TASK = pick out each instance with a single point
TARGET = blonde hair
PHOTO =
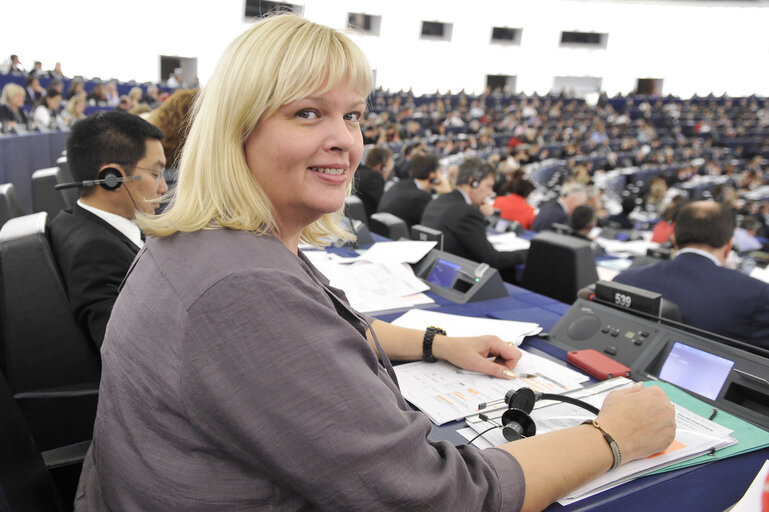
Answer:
(277, 61)
(9, 91)
(73, 102)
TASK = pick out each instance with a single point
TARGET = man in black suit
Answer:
(408, 198)
(369, 179)
(709, 295)
(558, 210)
(457, 215)
(95, 242)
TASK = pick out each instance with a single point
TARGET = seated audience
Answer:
(709, 295)
(582, 221)
(458, 216)
(558, 210)
(224, 330)
(371, 176)
(512, 203)
(407, 198)
(95, 242)
(12, 106)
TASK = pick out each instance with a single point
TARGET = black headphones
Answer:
(516, 422)
(110, 178)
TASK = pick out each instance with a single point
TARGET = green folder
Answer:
(749, 437)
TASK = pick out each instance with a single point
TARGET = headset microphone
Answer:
(109, 178)
(516, 422)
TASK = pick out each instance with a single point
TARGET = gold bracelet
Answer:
(610, 440)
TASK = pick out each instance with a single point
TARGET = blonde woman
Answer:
(12, 106)
(75, 109)
(235, 378)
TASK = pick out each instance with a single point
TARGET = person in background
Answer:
(74, 111)
(558, 210)
(663, 230)
(124, 104)
(223, 322)
(113, 97)
(56, 73)
(76, 88)
(458, 215)
(622, 220)
(35, 91)
(370, 178)
(46, 112)
(408, 198)
(95, 242)
(173, 117)
(136, 93)
(745, 235)
(708, 295)
(12, 66)
(512, 204)
(582, 221)
(12, 106)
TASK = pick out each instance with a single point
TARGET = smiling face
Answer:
(305, 154)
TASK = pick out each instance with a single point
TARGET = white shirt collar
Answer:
(702, 253)
(467, 198)
(125, 226)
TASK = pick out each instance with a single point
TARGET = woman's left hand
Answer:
(472, 353)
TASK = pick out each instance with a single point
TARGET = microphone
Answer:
(111, 182)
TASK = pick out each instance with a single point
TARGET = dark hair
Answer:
(378, 156)
(628, 204)
(473, 169)
(749, 223)
(704, 222)
(421, 165)
(581, 217)
(107, 137)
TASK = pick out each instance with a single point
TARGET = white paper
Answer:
(373, 286)
(445, 393)
(404, 251)
(457, 325)
(508, 241)
(626, 249)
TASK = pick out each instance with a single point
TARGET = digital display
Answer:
(444, 273)
(695, 370)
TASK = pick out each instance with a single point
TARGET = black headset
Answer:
(516, 422)
(110, 178)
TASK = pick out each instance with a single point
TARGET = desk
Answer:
(21, 155)
(710, 487)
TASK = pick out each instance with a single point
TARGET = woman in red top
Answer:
(512, 203)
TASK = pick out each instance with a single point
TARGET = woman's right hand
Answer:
(641, 420)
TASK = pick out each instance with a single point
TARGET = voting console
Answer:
(727, 374)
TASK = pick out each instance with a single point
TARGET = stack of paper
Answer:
(381, 278)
